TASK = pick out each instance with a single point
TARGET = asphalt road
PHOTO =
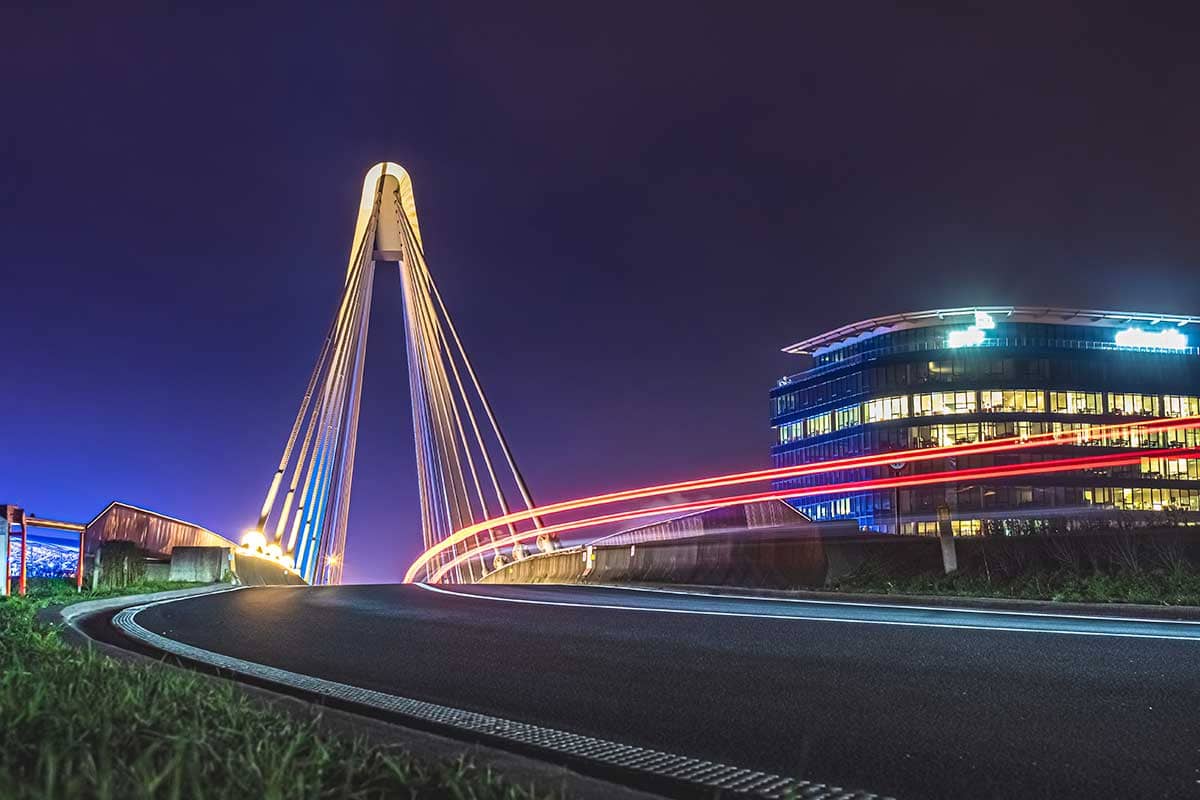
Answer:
(916, 703)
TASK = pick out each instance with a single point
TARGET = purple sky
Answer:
(629, 208)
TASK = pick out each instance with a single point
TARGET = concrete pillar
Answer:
(97, 567)
(946, 535)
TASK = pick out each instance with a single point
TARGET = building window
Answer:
(1140, 405)
(783, 404)
(884, 408)
(1144, 498)
(1189, 437)
(792, 432)
(1171, 469)
(847, 417)
(1076, 403)
(1016, 429)
(1175, 405)
(943, 435)
(1012, 400)
(819, 424)
(924, 405)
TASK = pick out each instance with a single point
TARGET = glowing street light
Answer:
(254, 540)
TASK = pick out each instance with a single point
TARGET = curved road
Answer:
(897, 700)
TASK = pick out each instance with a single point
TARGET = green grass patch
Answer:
(1179, 586)
(77, 724)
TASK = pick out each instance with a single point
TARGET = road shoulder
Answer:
(1123, 610)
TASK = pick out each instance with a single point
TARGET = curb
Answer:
(76, 610)
(519, 769)
(642, 768)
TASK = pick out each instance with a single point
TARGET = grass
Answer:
(77, 724)
(1178, 586)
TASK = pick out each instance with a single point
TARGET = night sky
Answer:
(630, 207)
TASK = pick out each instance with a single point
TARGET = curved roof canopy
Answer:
(867, 328)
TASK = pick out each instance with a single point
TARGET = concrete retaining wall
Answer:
(808, 559)
(765, 558)
(211, 564)
(201, 564)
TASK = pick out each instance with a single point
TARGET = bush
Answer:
(1178, 586)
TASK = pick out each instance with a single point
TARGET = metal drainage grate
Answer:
(693, 771)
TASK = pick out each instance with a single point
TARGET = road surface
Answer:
(915, 703)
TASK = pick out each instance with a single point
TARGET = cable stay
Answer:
(466, 470)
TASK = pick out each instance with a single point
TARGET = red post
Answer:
(7, 555)
(79, 567)
(24, 552)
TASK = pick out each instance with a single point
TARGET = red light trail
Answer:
(1044, 467)
(720, 481)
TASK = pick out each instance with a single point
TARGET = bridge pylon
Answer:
(466, 471)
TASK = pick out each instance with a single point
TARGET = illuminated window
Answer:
(1076, 403)
(961, 527)
(1080, 433)
(1012, 400)
(966, 527)
(1142, 405)
(1175, 405)
(1017, 429)
(1183, 438)
(885, 408)
(1172, 469)
(1144, 498)
(1130, 437)
(931, 403)
(793, 431)
(943, 435)
(847, 417)
(818, 424)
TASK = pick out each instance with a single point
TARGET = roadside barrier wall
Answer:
(818, 558)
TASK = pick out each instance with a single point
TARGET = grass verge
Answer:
(75, 723)
(1168, 587)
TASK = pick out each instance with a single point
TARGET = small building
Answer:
(155, 534)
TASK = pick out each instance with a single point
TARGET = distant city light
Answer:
(1166, 339)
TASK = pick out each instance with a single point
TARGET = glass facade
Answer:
(921, 387)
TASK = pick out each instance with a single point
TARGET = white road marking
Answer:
(806, 618)
(892, 606)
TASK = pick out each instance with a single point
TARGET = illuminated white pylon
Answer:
(454, 427)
